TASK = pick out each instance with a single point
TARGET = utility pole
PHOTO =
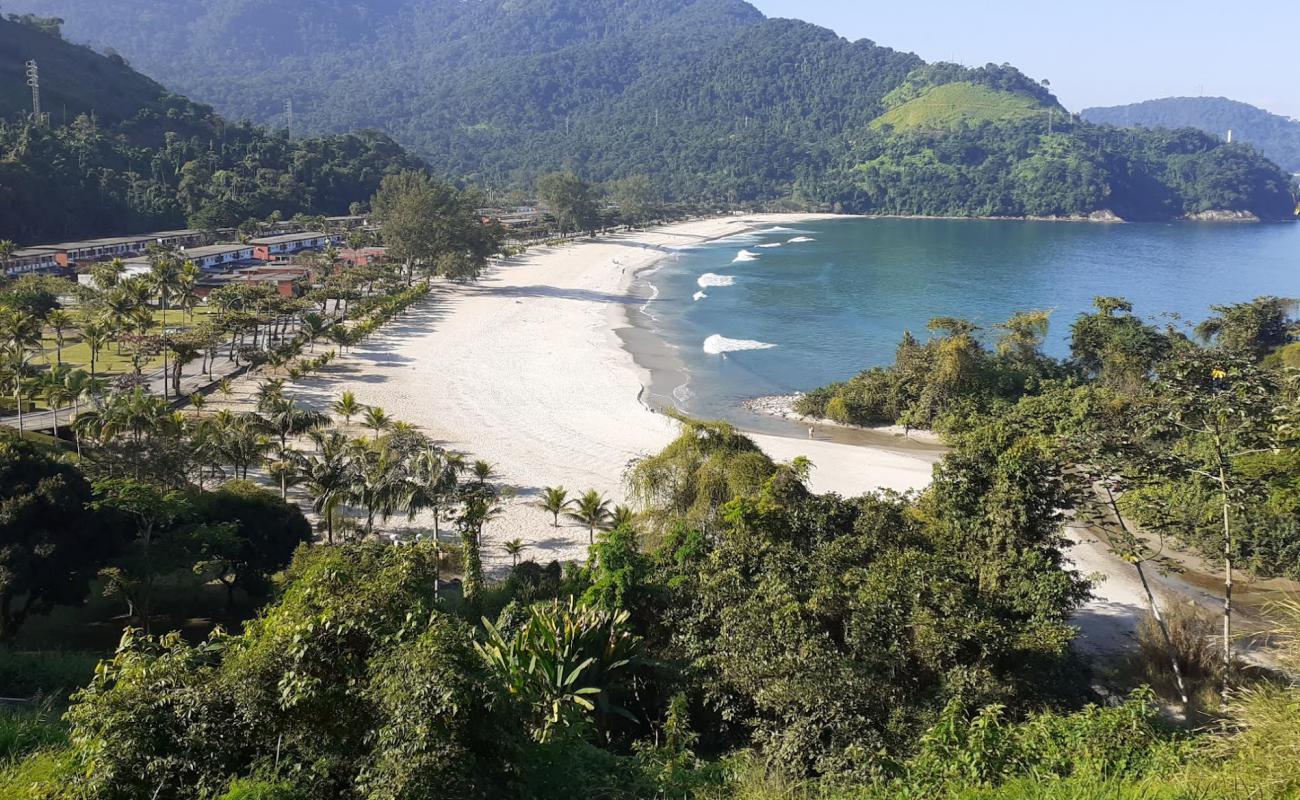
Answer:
(288, 116)
(1229, 135)
(34, 81)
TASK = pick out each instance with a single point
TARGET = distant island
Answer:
(708, 103)
(1275, 136)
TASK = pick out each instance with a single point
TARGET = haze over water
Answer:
(746, 318)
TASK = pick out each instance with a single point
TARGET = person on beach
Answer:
(811, 432)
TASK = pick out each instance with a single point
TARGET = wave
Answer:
(798, 239)
(773, 244)
(682, 394)
(710, 279)
(744, 255)
(719, 345)
(698, 296)
(779, 229)
(645, 307)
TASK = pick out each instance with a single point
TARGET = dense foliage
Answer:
(164, 163)
(714, 103)
(1275, 136)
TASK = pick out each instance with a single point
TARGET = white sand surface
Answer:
(524, 370)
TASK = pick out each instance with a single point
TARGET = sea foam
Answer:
(798, 239)
(745, 255)
(719, 345)
(710, 279)
(773, 244)
(698, 296)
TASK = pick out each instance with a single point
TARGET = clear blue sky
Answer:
(1097, 52)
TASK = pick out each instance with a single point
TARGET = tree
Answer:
(60, 322)
(1254, 329)
(257, 536)
(1229, 405)
(570, 201)
(514, 548)
(347, 407)
(377, 420)
(555, 501)
(592, 510)
(159, 545)
(636, 198)
(329, 478)
(1115, 347)
(52, 542)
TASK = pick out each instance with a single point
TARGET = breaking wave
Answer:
(698, 296)
(718, 345)
(710, 279)
(773, 244)
(798, 239)
(745, 255)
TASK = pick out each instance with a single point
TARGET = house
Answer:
(271, 247)
(69, 253)
(132, 268)
(219, 256)
(30, 260)
(363, 256)
(286, 279)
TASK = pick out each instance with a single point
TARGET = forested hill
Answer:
(131, 157)
(74, 80)
(1276, 136)
(713, 102)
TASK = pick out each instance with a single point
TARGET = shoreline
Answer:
(527, 370)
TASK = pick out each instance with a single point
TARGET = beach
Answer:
(525, 369)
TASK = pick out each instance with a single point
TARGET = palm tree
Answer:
(78, 384)
(20, 335)
(164, 276)
(377, 420)
(555, 500)
(431, 483)
(592, 510)
(329, 477)
(623, 517)
(315, 326)
(478, 510)
(7, 249)
(347, 407)
(514, 547)
(95, 334)
(59, 321)
(380, 488)
(198, 400)
(226, 388)
(54, 390)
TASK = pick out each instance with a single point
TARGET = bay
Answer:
(788, 309)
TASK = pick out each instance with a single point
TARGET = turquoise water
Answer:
(838, 298)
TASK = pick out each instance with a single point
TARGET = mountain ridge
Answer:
(1276, 136)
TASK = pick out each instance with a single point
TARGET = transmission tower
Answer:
(34, 81)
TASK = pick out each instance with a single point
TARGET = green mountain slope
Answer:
(712, 101)
(955, 104)
(73, 80)
(1277, 137)
(151, 160)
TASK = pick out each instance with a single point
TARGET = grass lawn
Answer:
(110, 362)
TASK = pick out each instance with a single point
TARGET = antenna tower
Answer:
(34, 81)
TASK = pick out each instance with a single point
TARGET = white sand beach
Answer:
(524, 369)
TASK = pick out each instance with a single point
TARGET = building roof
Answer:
(33, 252)
(215, 250)
(110, 241)
(286, 238)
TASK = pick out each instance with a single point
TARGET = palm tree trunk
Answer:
(18, 398)
(1227, 586)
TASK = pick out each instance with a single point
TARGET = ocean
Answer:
(786, 309)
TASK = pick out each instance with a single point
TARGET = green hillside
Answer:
(712, 102)
(1276, 136)
(74, 80)
(149, 160)
(955, 104)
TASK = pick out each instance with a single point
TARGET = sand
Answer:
(525, 370)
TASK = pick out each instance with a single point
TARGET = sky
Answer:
(1095, 53)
